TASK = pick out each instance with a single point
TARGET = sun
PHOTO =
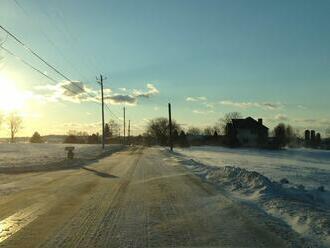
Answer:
(11, 97)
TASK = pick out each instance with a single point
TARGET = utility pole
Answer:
(124, 124)
(170, 125)
(129, 131)
(100, 81)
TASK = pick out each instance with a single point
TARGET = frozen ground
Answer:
(310, 168)
(254, 176)
(22, 157)
(139, 197)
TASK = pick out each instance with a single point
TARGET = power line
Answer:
(50, 66)
(34, 53)
(51, 42)
(27, 63)
(36, 69)
(47, 76)
(43, 60)
(113, 114)
(65, 32)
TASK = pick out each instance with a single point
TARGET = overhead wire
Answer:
(43, 60)
(48, 77)
(48, 64)
(27, 63)
(50, 41)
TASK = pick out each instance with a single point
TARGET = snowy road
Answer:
(134, 198)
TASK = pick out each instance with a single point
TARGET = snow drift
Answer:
(306, 211)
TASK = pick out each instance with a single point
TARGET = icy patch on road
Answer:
(19, 220)
(306, 211)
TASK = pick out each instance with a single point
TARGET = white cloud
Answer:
(281, 117)
(107, 91)
(78, 92)
(132, 99)
(208, 105)
(196, 99)
(302, 107)
(202, 112)
(68, 91)
(151, 91)
(245, 105)
(121, 99)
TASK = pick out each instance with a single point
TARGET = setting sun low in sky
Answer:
(265, 59)
(11, 97)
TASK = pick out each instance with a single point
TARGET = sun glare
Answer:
(11, 97)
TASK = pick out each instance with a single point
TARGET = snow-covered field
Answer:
(310, 168)
(255, 176)
(18, 157)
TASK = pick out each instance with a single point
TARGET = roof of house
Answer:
(248, 123)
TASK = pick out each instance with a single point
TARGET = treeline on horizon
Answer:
(157, 133)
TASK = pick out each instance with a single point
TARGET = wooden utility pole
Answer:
(124, 125)
(129, 131)
(100, 81)
(170, 125)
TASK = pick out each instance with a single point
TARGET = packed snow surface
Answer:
(310, 168)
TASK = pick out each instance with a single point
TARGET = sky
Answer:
(265, 59)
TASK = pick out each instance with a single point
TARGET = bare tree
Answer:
(284, 135)
(209, 131)
(114, 128)
(194, 131)
(158, 129)
(15, 124)
(220, 126)
(327, 132)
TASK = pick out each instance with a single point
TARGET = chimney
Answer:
(260, 121)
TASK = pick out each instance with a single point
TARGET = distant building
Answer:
(312, 139)
(307, 135)
(248, 132)
(318, 139)
(312, 136)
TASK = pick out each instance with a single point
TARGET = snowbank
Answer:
(300, 166)
(35, 157)
(306, 211)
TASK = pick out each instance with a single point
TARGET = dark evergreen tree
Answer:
(107, 132)
(71, 139)
(183, 141)
(175, 137)
(36, 138)
(93, 139)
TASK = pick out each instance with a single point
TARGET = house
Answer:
(247, 132)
